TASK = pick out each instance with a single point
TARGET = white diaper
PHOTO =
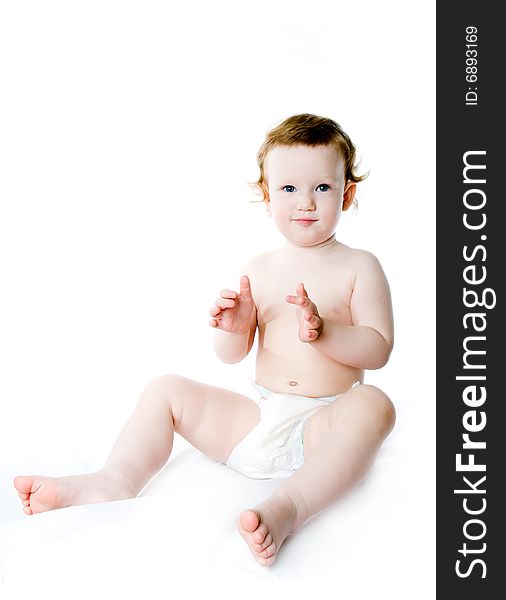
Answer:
(274, 448)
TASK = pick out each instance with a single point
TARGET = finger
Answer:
(225, 303)
(301, 291)
(310, 318)
(213, 323)
(308, 335)
(214, 311)
(313, 329)
(226, 293)
(298, 300)
(245, 287)
(313, 321)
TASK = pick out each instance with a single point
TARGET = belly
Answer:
(284, 364)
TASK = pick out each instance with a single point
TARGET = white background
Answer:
(128, 137)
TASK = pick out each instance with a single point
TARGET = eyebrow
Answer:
(320, 179)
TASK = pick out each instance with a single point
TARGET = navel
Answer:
(293, 383)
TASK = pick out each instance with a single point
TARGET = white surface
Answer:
(128, 133)
(182, 532)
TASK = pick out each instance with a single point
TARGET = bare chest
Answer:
(329, 286)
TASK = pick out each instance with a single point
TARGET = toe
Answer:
(269, 551)
(267, 541)
(261, 533)
(249, 520)
(23, 484)
(265, 562)
(27, 510)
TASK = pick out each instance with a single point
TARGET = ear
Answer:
(267, 200)
(349, 194)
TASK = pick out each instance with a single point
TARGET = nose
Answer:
(305, 201)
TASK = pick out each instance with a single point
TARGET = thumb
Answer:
(301, 291)
(245, 287)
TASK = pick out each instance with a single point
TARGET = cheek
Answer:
(278, 210)
(331, 211)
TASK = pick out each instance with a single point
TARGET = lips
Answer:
(304, 221)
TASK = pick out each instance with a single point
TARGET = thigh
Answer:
(364, 413)
(212, 419)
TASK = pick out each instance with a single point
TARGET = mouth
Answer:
(304, 221)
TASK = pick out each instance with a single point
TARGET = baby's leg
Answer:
(340, 443)
(212, 419)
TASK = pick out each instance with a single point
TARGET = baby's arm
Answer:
(368, 342)
(234, 318)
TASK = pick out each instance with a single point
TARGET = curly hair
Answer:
(308, 130)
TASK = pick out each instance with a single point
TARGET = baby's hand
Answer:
(232, 311)
(310, 323)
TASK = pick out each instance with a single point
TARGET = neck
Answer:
(331, 241)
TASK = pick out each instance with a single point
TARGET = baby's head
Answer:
(308, 130)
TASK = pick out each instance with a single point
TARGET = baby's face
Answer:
(306, 192)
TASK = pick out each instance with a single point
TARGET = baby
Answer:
(323, 314)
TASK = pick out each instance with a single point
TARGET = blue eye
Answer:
(288, 188)
(323, 187)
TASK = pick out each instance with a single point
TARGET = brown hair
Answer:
(308, 130)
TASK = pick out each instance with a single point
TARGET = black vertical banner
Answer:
(471, 334)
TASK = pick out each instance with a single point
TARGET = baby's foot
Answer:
(266, 527)
(39, 494)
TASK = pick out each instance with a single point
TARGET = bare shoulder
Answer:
(361, 260)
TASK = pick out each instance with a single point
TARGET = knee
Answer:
(379, 408)
(164, 387)
(166, 393)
